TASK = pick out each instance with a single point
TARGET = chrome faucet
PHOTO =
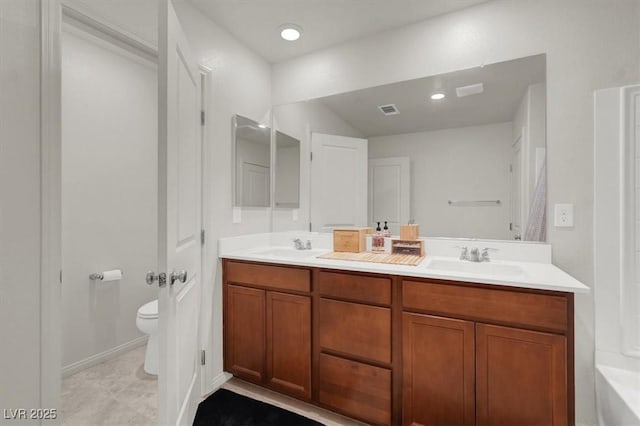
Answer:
(297, 242)
(464, 254)
(475, 254)
(484, 256)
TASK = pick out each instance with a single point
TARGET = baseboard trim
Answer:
(103, 356)
(217, 382)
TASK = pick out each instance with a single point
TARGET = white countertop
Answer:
(537, 274)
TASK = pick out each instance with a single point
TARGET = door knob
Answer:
(152, 277)
(178, 276)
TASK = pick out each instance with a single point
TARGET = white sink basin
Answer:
(484, 268)
(285, 252)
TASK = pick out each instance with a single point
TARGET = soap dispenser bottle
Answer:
(385, 231)
(377, 240)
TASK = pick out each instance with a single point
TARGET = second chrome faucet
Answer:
(299, 245)
(475, 254)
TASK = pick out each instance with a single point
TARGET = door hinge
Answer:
(202, 118)
(60, 276)
(510, 168)
(311, 156)
(203, 357)
(202, 236)
(510, 226)
(309, 226)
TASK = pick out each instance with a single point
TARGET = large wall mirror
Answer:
(252, 163)
(462, 154)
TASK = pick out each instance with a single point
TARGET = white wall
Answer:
(299, 120)
(467, 163)
(589, 44)
(240, 83)
(20, 235)
(109, 192)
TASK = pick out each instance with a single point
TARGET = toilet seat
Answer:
(149, 310)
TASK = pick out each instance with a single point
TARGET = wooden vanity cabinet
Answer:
(507, 354)
(245, 332)
(267, 333)
(521, 377)
(438, 371)
(353, 329)
(398, 350)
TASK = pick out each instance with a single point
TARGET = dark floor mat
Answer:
(226, 408)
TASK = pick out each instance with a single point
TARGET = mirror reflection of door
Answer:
(338, 182)
(389, 192)
(252, 151)
(254, 185)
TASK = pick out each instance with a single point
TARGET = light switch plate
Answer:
(563, 216)
(237, 215)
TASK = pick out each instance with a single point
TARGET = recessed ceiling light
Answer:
(262, 126)
(438, 96)
(290, 32)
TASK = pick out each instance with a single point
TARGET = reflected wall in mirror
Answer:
(252, 160)
(287, 171)
(469, 165)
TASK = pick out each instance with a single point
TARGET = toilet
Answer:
(147, 322)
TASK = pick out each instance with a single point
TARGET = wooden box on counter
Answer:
(409, 232)
(350, 239)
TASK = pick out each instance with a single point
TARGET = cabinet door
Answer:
(355, 389)
(438, 371)
(521, 377)
(289, 343)
(245, 332)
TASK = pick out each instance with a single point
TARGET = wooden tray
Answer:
(395, 259)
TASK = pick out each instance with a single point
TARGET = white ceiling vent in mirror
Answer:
(389, 109)
(472, 89)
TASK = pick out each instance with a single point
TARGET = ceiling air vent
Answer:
(472, 89)
(390, 109)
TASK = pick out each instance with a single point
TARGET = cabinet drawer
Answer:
(355, 329)
(355, 389)
(509, 307)
(267, 276)
(355, 287)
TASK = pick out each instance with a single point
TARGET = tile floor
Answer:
(115, 392)
(118, 392)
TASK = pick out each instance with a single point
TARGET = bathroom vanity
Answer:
(403, 346)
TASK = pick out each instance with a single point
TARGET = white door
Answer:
(516, 188)
(338, 182)
(179, 222)
(254, 185)
(389, 192)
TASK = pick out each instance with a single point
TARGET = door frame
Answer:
(52, 14)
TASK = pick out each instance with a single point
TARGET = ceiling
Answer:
(255, 22)
(135, 17)
(504, 86)
(324, 22)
